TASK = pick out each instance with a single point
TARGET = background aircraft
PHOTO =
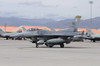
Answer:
(91, 36)
(51, 38)
(8, 35)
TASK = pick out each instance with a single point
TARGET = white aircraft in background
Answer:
(92, 36)
(7, 35)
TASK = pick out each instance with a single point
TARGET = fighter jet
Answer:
(91, 36)
(51, 38)
(8, 35)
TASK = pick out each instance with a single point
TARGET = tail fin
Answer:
(52, 29)
(20, 29)
(75, 23)
(89, 32)
(23, 28)
(1, 32)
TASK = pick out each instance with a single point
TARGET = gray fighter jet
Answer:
(8, 35)
(91, 36)
(51, 38)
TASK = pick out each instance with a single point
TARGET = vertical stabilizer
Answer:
(76, 22)
(20, 29)
(89, 32)
(1, 32)
(23, 29)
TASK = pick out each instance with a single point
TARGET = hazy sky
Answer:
(56, 9)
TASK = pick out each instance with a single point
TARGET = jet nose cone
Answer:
(4, 35)
(17, 35)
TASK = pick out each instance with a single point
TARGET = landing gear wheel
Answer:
(94, 41)
(46, 44)
(62, 45)
(12, 38)
(37, 46)
(7, 38)
(50, 46)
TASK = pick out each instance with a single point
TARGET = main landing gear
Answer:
(62, 45)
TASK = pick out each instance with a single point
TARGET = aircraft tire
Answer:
(37, 46)
(94, 41)
(62, 45)
(12, 38)
(46, 44)
(50, 46)
(7, 38)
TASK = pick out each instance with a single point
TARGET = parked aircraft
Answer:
(51, 38)
(79, 37)
(8, 35)
(91, 36)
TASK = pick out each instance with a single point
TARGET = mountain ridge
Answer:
(15, 21)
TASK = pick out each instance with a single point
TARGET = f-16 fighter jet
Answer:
(51, 38)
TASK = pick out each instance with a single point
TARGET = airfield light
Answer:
(91, 2)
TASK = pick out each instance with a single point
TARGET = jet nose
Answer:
(17, 35)
(2, 35)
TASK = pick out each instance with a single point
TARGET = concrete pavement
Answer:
(24, 53)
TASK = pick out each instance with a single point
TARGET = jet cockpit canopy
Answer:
(32, 29)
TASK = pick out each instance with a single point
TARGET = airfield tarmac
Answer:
(24, 53)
